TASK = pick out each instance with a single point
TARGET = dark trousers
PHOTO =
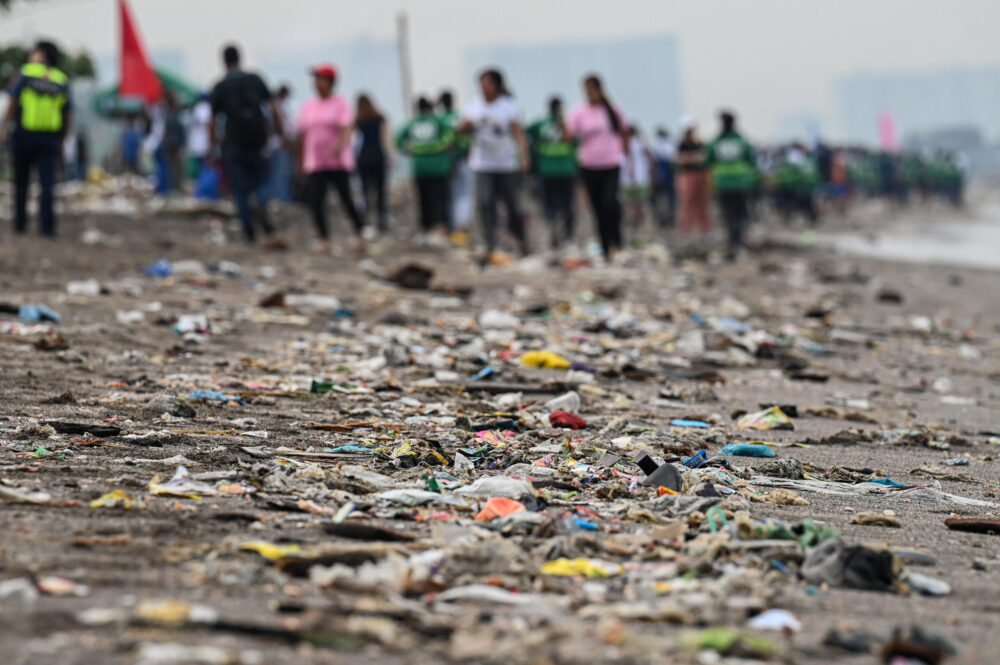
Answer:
(316, 196)
(557, 199)
(247, 173)
(664, 188)
(602, 190)
(42, 152)
(491, 188)
(373, 181)
(432, 191)
(735, 214)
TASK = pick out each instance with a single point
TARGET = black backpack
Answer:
(174, 135)
(245, 121)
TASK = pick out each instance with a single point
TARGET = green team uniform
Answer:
(554, 157)
(463, 141)
(732, 163)
(428, 139)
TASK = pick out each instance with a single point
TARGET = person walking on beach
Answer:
(459, 187)
(374, 161)
(555, 165)
(279, 149)
(636, 178)
(239, 98)
(498, 156)
(733, 166)
(599, 127)
(428, 139)
(692, 183)
(41, 113)
(325, 155)
(664, 186)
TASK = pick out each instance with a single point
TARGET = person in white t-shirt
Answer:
(198, 138)
(498, 155)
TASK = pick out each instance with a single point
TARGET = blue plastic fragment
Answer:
(584, 524)
(37, 313)
(350, 449)
(697, 460)
(748, 450)
(689, 423)
(162, 268)
(888, 482)
(215, 396)
(484, 373)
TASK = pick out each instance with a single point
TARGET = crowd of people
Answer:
(240, 137)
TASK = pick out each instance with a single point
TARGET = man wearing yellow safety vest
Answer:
(40, 111)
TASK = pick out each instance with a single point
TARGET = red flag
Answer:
(137, 76)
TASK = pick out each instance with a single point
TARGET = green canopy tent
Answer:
(109, 103)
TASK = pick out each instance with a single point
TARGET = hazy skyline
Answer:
(769, 59)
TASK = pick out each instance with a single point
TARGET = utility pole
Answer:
(405, 70)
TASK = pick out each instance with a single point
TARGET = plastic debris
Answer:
(772, 418)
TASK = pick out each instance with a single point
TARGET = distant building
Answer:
(641, 74)
(920, 101)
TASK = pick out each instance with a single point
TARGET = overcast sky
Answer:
(767, 58)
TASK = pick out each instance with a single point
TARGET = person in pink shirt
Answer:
(601, 132)
(325, 155)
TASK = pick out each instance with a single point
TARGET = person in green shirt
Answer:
(733, 165)
(428, 140)
(554, 160)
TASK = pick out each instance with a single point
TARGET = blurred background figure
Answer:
(636, 178)
(41, 114)
(555, 165)
(374, 160)
(131, 143)
(198, 136)
(428, 140)
(173, 144)
(459, 187)
(498, 156)
(692, 183)
(664, 194)
(733, 166)
(600, 130)
(238, 100)
(325, 154)
(279, 148)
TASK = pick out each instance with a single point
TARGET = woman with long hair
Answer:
(601, 131)
(374, 160)
(498, 155)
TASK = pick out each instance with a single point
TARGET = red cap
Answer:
(326, 69)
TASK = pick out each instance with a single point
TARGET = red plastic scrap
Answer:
(564, 419)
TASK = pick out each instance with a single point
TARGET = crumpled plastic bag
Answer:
(773, 418)
(544, 360)
(852, 567)
(499, 506)
(593, 568)
(114, 499)
(181, 486)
